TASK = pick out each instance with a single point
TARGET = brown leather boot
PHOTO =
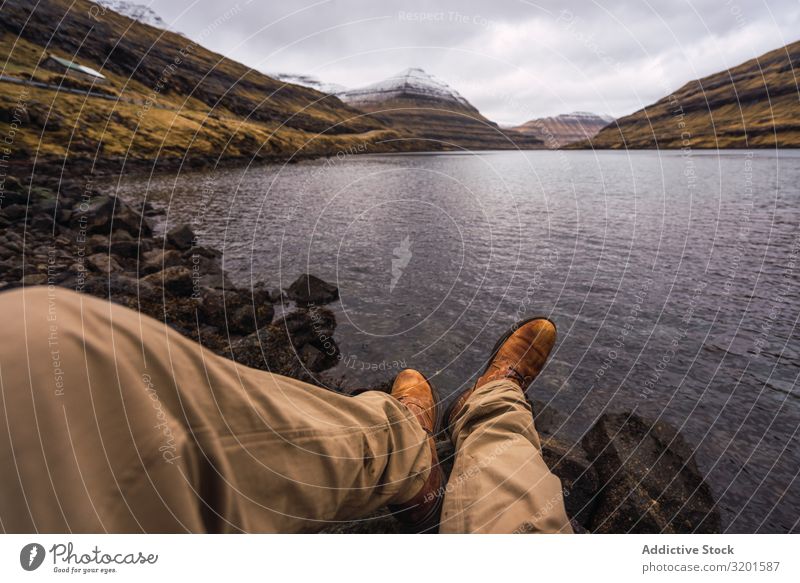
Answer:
(519, 356)
(421, 513)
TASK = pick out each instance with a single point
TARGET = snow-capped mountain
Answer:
(138, 12)
(419, 104)
(563, 129)
(411, 83)
(309, 81)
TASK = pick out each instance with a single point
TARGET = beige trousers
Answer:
(110, 421)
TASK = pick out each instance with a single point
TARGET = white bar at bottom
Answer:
(416, 559)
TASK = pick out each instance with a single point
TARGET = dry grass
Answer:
(756, 104)
(206, 108)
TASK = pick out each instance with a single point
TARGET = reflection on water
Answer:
(673, 280)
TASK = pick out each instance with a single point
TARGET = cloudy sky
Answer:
(513, 59)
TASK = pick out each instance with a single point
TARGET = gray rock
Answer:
(211, 308)
(649, 480)
(98, 243)
(102, 263)
(181, 237)
(127, 249)
(175, 280)
(105, 214)
(14, 212)
(130, 287)
(158, 259)
(310, 290)
(248, 317)
(209, 272)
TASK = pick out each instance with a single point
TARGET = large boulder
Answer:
(105, 214)
(103, 263)
(649, 480)
(181, 237)
(158, 259)
(209, 271)
(127, 249)
(174, 280)
(309, 290)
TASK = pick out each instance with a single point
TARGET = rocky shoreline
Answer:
(626, 474)
(65, 232)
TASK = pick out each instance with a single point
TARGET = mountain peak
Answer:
(413, 82)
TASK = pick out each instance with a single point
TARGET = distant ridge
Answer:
(560, 130)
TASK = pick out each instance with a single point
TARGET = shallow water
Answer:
(672, 277)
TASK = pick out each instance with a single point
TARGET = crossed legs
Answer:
(112, 422)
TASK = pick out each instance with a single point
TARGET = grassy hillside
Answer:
(446, 126)
(756, 104)
(171, 98)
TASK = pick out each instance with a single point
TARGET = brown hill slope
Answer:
(560, 130)
(756, 104)
(165, 96)
(427, 107)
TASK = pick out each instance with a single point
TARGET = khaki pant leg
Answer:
(500, 483)
(111, 421)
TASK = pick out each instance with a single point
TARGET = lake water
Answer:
(672, 277)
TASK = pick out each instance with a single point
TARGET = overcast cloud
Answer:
(513, 59)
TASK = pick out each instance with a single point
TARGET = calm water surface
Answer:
(673, 280)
